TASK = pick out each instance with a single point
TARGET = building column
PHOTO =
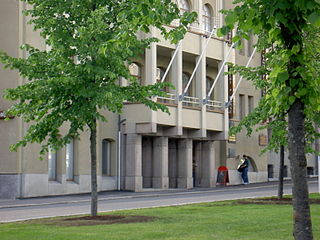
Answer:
(201, 80)
(150, 73)
(147, 165)
(160, 160)
(185, 179)
(133, 162)
(176, 76)
(208, 164)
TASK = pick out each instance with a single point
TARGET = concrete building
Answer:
(143, 150)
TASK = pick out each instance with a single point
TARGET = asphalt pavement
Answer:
(41, 207)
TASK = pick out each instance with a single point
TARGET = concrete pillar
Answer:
(147, 160)
(208, 165)
(185, 179)
(133, 162)
(201, 77)
(176, 76)
(173, 166)
(160, 159)
(151, 71)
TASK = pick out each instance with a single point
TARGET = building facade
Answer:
(143, 149)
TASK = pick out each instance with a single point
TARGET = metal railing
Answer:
(214, 105)
(190, 101)
(169, 99)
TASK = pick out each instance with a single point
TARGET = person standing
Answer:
(243, 168)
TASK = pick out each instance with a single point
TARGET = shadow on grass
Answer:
(91, 221)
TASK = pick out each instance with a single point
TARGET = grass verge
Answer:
(219, 220)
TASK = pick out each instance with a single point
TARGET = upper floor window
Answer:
(207, 18)
(242, 49)
(184, 6)
(135, 70)
(209, 83)
(160, 74)
(185, 80)
(250, 104)
(250, 46)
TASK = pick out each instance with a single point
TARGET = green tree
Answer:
(287, 29)
(91, 43)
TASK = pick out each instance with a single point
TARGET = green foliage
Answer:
(90, 44)
(289, 31)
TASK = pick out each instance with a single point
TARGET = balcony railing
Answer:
(190, 101)
(214, 105)
(169, 99)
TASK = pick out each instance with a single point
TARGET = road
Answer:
(24, 209)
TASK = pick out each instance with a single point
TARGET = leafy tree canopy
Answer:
(274, 22)
(90, 43)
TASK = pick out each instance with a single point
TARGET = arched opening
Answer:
(207, 18)
(209, 83)
(252, 165)
(185, 80)
(184, 6)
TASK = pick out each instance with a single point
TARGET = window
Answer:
(242, 49)
(241, 107)
(270, 171)
(230, 93)
(184, 6)
(250, 104)
(310, 171)
(135, 70)
(70, 160)
(206, 19)
(209, 83)
(160, 73)
(285, 171)
(250, 46)
(229, 38)
(52, 165)
(185, 80)
(106, 157)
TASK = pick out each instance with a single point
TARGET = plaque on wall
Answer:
(263, 140)
(232, 139)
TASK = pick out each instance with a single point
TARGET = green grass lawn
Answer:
(219, 220)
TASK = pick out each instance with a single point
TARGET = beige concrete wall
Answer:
(108, 130)
(166, 119)
(244, 144)
(214, 121)
(191, 118)
(9, 41)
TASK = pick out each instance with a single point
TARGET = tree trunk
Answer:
(93, 153)
(301, 210)
(281, 169)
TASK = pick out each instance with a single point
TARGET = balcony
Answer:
(190, 114)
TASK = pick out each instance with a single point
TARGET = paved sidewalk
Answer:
(113, 195)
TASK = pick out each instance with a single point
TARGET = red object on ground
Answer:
(223, 176)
